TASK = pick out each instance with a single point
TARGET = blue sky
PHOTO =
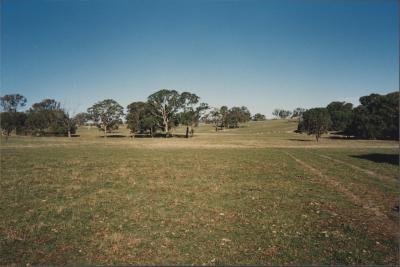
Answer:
(262, 54)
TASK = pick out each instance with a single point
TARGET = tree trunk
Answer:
(105, 131)
(316, 137)
(69, 133)
(187, 132)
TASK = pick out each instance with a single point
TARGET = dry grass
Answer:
(232, 197)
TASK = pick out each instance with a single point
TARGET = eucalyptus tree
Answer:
(106, 115)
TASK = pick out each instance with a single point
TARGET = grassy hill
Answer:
(259, 194)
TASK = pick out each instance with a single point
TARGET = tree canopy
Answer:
(106, 115)
(10, 103)
(315, 121)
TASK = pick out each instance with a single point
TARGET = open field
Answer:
(260, 194)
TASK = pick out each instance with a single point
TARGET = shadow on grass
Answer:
(301, 140)
(114, 136)
(161, 135)
(380, 158)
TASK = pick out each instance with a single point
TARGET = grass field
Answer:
(260, 194)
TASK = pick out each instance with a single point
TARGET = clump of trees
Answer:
(258, 117)
(10, 118)
(225, 117)
(377, 117)
(281, 113)
(163, 111)
(45, 117)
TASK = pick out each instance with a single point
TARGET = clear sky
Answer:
(262, 54)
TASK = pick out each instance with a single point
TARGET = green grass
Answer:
(232, 197)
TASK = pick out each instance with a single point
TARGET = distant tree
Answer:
(276, 113)
(283, 114)
(10, 103)
(341, 115)
(46, 105)
(258, 117)
(315, 121)
(235, 116)
(298, 113)
(106, 115)
(81, 118)
(11, 120)
(191, 114)
(223, 111)
(214, 117)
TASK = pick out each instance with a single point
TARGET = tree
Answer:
(81, 118)
(214, 117)
(10, 103)
(315, 121)
(283, 114)
(37, 122)
(376, 117)
(106, 114)
(7, 123)
(166, 104)
(298, 112)
(276, 112)
(140, 118)
(191, 115)
(258, 117)
(341, 115)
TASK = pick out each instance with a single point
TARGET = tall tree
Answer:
(106, 114)
(166, 104)
(315, 121)
(341, 115)
(10, 103)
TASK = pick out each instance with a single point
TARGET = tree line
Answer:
(163, 111)
(377, 117)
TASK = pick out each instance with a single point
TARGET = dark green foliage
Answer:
(37, 122)
(106, 115)
(228, 118)
(191, 114)
(341, 115)
(12, 121)
(258, 117)
(172, 108)
(140, 118)
(7, 122)
(47, 117)
(165, 106)
(235, 116)
(315, 121)
(376, 117)
(10, 103)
